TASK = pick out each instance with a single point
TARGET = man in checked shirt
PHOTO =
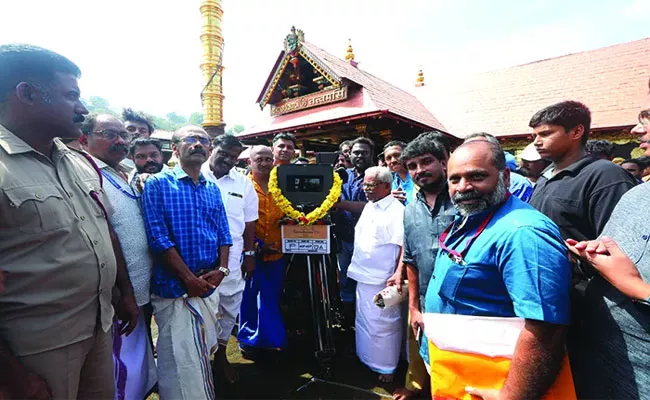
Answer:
(189, 235)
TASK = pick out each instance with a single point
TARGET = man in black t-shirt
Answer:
(578, 192)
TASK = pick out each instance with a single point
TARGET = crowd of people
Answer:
(98, 238)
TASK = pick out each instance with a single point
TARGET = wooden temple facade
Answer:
(324, 100)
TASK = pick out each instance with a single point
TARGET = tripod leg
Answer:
(327, 300)
(314, 298)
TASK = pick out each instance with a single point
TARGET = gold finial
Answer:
(419, 81)
(349, 54)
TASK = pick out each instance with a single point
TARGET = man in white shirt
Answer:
(378, 238)
(106, 139)
(241, 203)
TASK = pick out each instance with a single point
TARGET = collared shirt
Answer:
(517, 267)
(187, 216)
(55, 248)
(241, 203)
(352, 190)
(268, 228)
(406, 185)
(378, 238)
(128, 223)
(423, 226)
(581, 197)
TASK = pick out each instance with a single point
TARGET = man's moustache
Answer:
(118, 147)
(78, 118)
(423, 175)
(467, 196)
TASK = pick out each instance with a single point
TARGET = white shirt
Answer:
(241, 204)
(128, 222)
(378, 238)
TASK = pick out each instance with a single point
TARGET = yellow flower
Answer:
(287, 208)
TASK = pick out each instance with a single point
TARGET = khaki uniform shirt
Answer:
(55, 248)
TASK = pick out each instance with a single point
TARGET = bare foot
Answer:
(403, 394)
(386, 378)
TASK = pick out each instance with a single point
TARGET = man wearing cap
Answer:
(532, 165)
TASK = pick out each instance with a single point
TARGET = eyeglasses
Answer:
(193, 139)
(370, 185)
(111, 135)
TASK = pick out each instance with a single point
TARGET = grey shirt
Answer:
(614, 361)
(422, 229)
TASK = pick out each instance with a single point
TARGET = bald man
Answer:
(261, 325)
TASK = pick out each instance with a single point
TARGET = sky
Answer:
(146, 54)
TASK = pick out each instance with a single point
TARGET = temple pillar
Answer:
(211, 66)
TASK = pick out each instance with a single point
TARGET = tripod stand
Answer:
(321, 279)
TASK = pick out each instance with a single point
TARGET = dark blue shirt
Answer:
(192, 218)
(352, 190)
(422, 228)
(517, 267)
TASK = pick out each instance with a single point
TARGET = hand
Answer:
(140, 180)
(248, 267)
(610, 261)
(485, 394)
(416, 322)
(214, 278)
(127, 312)
(270, 248)
(396, 280)
(197, 287)
(399, 195)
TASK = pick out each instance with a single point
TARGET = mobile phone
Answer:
(418, 335)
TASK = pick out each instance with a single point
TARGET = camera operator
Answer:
(284, 148)
(353, 200)
(261, 325)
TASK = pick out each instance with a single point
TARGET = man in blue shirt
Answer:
(519, 185)
(403, 187)
(503, 258)
(353, 200)
(188, 233)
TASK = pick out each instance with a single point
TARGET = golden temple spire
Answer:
(349, 54)
(419, 81)
(211, 66)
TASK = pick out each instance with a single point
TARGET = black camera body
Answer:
(305, 185)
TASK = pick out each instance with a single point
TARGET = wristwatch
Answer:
(225, 270)
(249, 253)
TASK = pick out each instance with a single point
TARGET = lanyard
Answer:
(118, 186)
(457, 257)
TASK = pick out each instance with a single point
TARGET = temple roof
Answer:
(612, 81)
(375, 97)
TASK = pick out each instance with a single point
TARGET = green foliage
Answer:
(169, 122)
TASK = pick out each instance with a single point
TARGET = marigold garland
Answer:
(287, 208)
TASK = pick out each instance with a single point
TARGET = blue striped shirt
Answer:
(190, 217)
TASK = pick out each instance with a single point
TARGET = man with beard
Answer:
(188, 233)
(148, 157)
(60, 256)
(402, 186)
(379, 235)
(284, 148)
(502, 258)
(353, 200)
(106, 139)
(261, 325)
(424, 220)
(240, 200)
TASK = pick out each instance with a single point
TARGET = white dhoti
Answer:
(230, 293)
(378, 331)
(134, 367)
(187, 336)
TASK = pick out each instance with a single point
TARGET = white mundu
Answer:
(241, 204)
(378, 238)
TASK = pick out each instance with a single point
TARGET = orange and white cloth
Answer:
(474, 351)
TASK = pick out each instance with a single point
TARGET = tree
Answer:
(176, 119)
(235, 129)
(99, 105)
(196, 118)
